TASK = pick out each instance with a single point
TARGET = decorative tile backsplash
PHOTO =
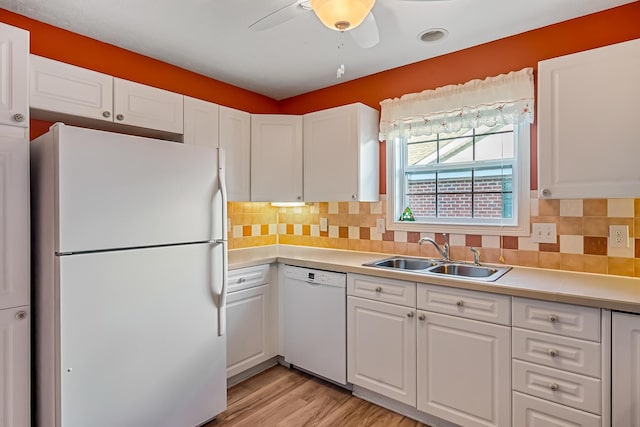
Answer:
(582, 227)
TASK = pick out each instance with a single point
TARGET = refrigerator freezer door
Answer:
(120, 191)
(138, 338)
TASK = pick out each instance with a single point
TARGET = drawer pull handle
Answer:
(554, 387)
(242, 280)
(21, 315)
(422, 317)
(410, 314)
(553, 318)
(459, 303)
(553, 352)
(379, 289)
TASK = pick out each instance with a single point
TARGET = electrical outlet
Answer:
(544, 232)
(380, 227)
(619, 236)
(323, 224)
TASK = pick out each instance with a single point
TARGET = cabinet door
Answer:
(235, 139)
(381, 348)
(14, 75)
(63, 88)
(14, 222)
(200, 122)
(144, 106)
(626, 370)
(341, 150)
(463, 371)
(14, 367)
(250, 329)
(276, 158)
(587, 145)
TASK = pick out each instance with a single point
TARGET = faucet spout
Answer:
(443, 251)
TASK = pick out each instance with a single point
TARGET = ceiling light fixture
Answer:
(342, 15)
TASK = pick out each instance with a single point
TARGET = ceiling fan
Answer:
(361, 24)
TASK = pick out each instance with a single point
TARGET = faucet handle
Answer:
(476, 255)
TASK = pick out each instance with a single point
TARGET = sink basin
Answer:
(402, 263)
(439, 267)
(478, 272)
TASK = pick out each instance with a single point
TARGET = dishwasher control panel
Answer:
(319, 277)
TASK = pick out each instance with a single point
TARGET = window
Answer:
(458, 157)
(462, 180)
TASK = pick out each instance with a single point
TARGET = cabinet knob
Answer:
(379, 289)
(553, 318)
(21, 315)
(459, 303)
(18, 117)
(410, 314)
(422, 317)
(120, 117)
(107, 114)
(553, 352)
(546, 192)
(242, 280)
(354, 196)
(554, 387)
(299, 197)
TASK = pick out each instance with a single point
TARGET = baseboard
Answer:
(400, 408)
(245, 375)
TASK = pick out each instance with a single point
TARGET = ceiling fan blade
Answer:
(279, 16)
(366, 34)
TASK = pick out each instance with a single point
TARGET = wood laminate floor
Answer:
(285, 397)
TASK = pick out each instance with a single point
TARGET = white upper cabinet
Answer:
(200, 122)
(235, 139)
(67, 89)
(61, 88)
(14, 222)
(144, 106)
(587, 110)
(341, 151)
(14, 66)
(276, 158)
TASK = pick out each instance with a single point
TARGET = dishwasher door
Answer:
(315, 322)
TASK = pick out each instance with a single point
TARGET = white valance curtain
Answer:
(504, 99)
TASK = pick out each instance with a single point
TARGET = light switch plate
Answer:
(380, 227)
(323, 224)
(544, 232)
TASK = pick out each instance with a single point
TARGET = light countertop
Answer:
(595, 290)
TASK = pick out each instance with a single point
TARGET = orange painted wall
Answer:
(489, 59)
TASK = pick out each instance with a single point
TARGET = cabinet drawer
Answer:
(475, 305)
(569, 354)
(379, 289)
(566, 388)
(532, 412)
(558, 318)
(244, 278)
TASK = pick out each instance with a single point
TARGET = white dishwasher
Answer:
(315, 322)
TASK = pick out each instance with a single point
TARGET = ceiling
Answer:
(211, 37)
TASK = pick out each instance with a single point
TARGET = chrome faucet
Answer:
(476, 255)
(443, 251)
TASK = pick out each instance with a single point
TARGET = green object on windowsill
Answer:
(407, 215)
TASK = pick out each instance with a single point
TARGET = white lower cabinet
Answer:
(381, 348)
(251, 326)
(14, 367)
(625, 361)
(462, 370)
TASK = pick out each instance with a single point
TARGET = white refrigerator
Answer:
(129, 280)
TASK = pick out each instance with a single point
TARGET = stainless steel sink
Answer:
(465, 270)
(402, 263)
(441, 268)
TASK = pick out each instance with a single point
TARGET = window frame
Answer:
(521, 177)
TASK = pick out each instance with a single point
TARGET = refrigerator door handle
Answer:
(222, 310)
